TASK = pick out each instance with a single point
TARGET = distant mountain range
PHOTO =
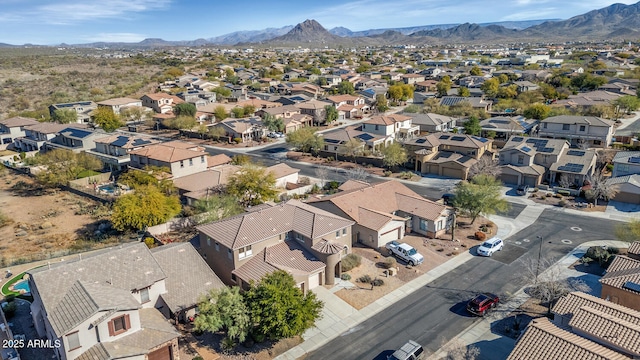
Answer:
(615, 22)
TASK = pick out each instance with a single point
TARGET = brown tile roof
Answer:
(50, 128)
(618, 278)
(281, 170)
(325, 246)
(387, 119)
(287, 255)
(622, 262)
(448, 156)
(196, 185)
(169, 152)
(220, 159)
(312, 104)
(386, 198)
(544, 341)
(569, 305)
(118, 101)
(612, 330)
(372, 219)
(634, 248)
(341, 98)
(353, 185)
(253, 227)
(259, 104)
(18, 121)
(160, 96)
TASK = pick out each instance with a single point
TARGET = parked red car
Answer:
(482, 303)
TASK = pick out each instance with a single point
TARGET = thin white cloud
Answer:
(116, 37)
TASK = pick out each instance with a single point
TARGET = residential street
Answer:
(434, 314)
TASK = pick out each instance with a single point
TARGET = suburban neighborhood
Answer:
(271, 200)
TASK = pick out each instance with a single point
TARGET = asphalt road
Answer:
(436, 313)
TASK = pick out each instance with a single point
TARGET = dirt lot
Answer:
(578, 203)
(435, 252)
(42, 223)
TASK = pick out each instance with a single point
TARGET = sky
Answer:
(51, 22)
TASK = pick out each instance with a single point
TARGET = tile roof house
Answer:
(475, 102)
(284, 174)
(590, 130)
(626, 163)
(179, 157)
(447, 154)
(431, 122)
(349, 106)
(113, 150)
(621, 283)
(385, 212)
(315, 109)
(573, 166)
(82, 108)
(36, 135)
(305, 241)
(106, 305)
(160, 102)
(335, 140)
(505, 126)
(74, 139)
(245, 129)
(627, 187)
(13, 128)
(394, 126)
(199, 185)
(527, 160)
(118, 104)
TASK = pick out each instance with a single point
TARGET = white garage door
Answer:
(390, 236)
(314, 280)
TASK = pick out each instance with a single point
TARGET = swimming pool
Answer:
(21, 285)
(108, 188)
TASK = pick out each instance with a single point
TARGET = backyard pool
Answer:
(22, 287)
(107, 188)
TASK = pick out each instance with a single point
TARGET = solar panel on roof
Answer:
(120, 141)
(421, 141)
(481, 139)
(458, 138)
(444, 137)
(331, 141)
(571, 167)
(545, 150)
(526, 149)
(575, 153)
(365, 137)
(499, 121)
(634, 160)
(630, 285)
(517, 138)
(139, 142)
(76, 132)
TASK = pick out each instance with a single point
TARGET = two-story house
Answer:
(625, 176)
(179, 157)
(527, 160)
(626, 163)
(393, 126)
(114, 150)
(36, 135)
(412, 78)
(503, 127)
(83, 110)
(314, 108)
(385, 212)
(74, 139)
(13, 128)
(306, 241)
(447, 154)
(431, 122)
(110, 305)
(573, 167)
(161, 103)
(590, 130)
(118, 104)
(245, 129)
(349, 106)
(621, 282)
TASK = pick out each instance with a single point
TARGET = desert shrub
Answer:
(613, 250)
(536, 190)
(406, 175)
(602, 256)
(197, 358)
(227, 344)
(548, 195)
(351, 261)
(557, 196)
(609, 167)
(389, 262)
(150, 242)
(387, 173)
(345, 277)
(440, 249)
(330, 159)
(304, 180)
(564, 192)
(365, 279)
(332, 185)
(377, 282)
(480, 235)
(237, 140)
(562, 203)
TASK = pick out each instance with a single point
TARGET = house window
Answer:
(544, 125)
(217, 246)
(190, 162)
(376, 127)
(583, 128)
(597, 142)
(202, 159)
(299, 237)
(119, 325)
(229, 254)
(439, 225)
(144, 295)
(344, 232)
(424, 225)
(565, 126)
(73, 341)
(208, 241)
(337, 234)
(520, 159)
(181, 163)
(245, 252)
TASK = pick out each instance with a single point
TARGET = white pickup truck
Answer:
(405, 252)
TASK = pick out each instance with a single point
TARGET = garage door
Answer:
(314, 280)
(627, 197)
(454, 173)
(509, 179)
(530, 180)
(161, 354)
(433, 169)
(390, 236)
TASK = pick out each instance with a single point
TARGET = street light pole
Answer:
(538, 264)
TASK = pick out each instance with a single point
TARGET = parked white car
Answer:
(490, 246)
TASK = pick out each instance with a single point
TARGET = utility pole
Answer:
(538, 264)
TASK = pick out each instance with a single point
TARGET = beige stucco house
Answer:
(180, 158)
(578, 130)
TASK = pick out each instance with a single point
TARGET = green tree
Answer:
(413, 109)
(331, 114)
(238, 112)
(224, 309)
(252, 185)
(305, 139)
(220, 113)
(353, 147)
(346, 87)
(133, 113)
(216, 207)
(394, 155)
(490, 87)
(472, 126)
(475, 71)
(185, 109)
(151, 176)
(628, 232)
(508, 92)
(105, 118)
(62, 166)
(65, 116)
(222, 91)
(395, 93)
(381, 103)
(444, 85)
(216, 132)
(627, 103)
(537, 111)
(464, 91)
(147, 206)
(180, 123)
(174, 72)
(503, 78)
(273, 123)
(482, 195)
(249, 110)
(278, 307)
